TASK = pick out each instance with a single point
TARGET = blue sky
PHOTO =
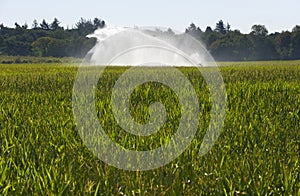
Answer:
(177, 14)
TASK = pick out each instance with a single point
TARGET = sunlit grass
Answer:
(257, 153)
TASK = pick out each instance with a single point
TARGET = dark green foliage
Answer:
(234, 46)
(42, 60)
(48, 39)
(85, 27)
(263, 48)
(44, 25)
(283, 43)
(220, 27)
(55, 25)
(224, 43)
(295, 44)
(227, 45)
(259, 30)
(194, 31)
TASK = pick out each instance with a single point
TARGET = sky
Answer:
(277, 16)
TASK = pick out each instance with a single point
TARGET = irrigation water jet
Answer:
(146, 46)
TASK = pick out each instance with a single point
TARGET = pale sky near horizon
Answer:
(275, 15)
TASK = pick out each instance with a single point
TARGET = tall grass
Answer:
(257, 153)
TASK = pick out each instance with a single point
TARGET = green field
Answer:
(257, 153)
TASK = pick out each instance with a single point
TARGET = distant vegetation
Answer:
(231, 45)
(52, 40)
(48, 39)
(4, 59)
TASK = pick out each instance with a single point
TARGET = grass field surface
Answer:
(257, 153)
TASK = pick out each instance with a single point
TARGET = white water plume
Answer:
(125, 46)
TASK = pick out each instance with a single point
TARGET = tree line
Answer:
(231, 45)
(50, 39)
